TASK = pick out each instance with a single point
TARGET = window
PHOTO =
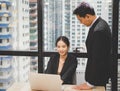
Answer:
(102, 8)
(39, 40)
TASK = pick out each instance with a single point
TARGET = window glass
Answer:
(19, 31)
(62, 22)
(16, 69)
(19, 25)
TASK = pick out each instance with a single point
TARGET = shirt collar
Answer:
(93, 22)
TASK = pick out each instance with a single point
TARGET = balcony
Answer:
(33, 34)
(5, 14)
(35, 59)
(4, 25)
(33, 21)
(7, 2)
(33, 14)
(33, 6)
(5, 57)
(33, 30)
(5, 36)
(8, 47)
(5, 62)
(33, 46)
(8, 69)
(6, 83)
(6, 72)
(33, 27)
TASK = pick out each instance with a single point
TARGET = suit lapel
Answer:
(65, 64)
(56, 63)
(91, 31)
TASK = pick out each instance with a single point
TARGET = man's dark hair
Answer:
(83, 9)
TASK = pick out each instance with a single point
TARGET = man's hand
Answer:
(83, 86)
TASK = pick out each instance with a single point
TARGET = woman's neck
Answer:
(63, 57)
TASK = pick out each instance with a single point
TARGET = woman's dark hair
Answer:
(83, 9)
(64, 39)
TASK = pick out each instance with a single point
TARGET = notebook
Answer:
(45, 82)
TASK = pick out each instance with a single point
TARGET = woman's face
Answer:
(62, 48)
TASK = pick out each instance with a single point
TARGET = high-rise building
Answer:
(33, 34)
(52, 23)
(14, 35)
(6, 69)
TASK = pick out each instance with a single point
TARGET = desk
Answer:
(20, 87)
(26, 87)
(97, 88)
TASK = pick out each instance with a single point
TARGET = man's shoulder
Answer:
(102, 25)
(102, 22)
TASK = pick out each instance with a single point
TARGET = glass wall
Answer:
(62, 22)
(16, 69)
(18, 26)
(23, 23)
(18, 32)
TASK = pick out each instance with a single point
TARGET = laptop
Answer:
(45, 82)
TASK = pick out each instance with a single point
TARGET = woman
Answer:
(62, 63)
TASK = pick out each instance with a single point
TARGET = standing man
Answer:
(98, 44)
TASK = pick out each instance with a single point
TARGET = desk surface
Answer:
(26, 87)
(69, 88)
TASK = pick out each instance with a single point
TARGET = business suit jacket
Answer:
(98, 45)
(68, 69)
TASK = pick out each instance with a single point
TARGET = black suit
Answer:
(68, 69)
(98, 45)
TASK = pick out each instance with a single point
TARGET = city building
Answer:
(6, 69)
(33, 34)
(14, 34)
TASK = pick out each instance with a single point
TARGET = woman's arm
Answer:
(49, 66)
(68, 75)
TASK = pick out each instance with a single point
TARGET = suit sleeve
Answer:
(68, 75)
